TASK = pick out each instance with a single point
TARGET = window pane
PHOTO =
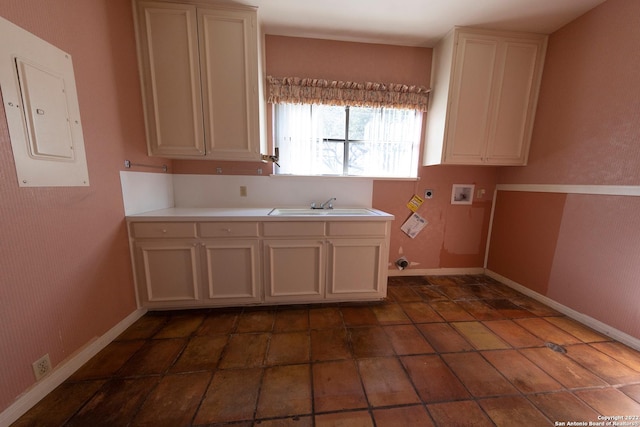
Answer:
(331, 121)
(360, 119)
(330, 158)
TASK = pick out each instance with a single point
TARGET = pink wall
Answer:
(587, 131)
(65, 275)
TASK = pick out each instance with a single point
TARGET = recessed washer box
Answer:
(41, 105)
(462, 194)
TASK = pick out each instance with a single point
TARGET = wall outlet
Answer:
(243, 191)
(42, 366)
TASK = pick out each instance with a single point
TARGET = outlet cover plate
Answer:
(42, 366)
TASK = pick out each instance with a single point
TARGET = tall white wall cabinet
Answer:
(200, 73)
(484, 93)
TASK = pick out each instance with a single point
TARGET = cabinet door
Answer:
(168, 51)
(232, 271)
(294, 270)
(168, 273)
(229, 55)
(470, 108)
(357, 268)
(516, 88)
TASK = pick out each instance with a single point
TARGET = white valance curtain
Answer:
(297, 90)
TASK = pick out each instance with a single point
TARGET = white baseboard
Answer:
(64, 370)
(595, 324)
(435, 271)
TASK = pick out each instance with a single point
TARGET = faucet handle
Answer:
(313, 205)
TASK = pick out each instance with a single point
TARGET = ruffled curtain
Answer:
(296, 90)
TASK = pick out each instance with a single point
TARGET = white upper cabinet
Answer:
(200, 76)
(484, 94)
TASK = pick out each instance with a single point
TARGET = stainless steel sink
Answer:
(322, 212)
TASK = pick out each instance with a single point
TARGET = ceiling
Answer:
(410, 22)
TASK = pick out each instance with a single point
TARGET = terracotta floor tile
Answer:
(522, 373)
(444, 338)
(513, 411)
(385, 382)
(329, 344)
(443, 280)
(564, 370)
(621, 353)
(607, 368)
(430, 293)
(480, 336)
(337, 386)
(358, 316)
(533, 306)
(108, 361)
(406, 339)
(256, 321)
(370, 342)
(344, 419)
(155, 357)
(563, 407)
(289, 347)
(609, 401)
(633, 391)
(115, 403)
(202, 353)
(402, 294)
(285, 391)
(450, 311)
(218, 322)
(143, 328)
(181, 325)
(546, 331)
(433, 379)
(480, 378)
(245, 351)
(460, 292)
(289, 320)
(505, 291)
(407, 280)
(480, 310)
(577, 329)
(421, 312)
(231, 396)
(174, 401)
(402, 417)
(325, 318)
(508, 309)
(464, 413)
(59, 405)
(514, 334)
(286, 422)
(390, 314)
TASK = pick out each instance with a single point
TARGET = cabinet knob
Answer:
(228, 230)
(164, 230)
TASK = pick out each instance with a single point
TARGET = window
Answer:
(351, 141)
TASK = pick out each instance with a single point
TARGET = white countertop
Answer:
(249, 214)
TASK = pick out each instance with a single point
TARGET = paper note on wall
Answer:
(415, 203)
(413, 225)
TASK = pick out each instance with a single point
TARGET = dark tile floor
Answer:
(445, 351)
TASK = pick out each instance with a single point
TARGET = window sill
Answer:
(372, 178)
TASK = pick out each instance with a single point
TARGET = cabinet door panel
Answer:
(355, 268)
(515, 103)
(168, 41)
(169, 271)
(471, 100)
(228, 53)
(232, 270)
(294, 269)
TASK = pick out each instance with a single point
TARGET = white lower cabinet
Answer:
(357, 268)
(205, 264)
(232, 271)
(168, 272)
(294, 270)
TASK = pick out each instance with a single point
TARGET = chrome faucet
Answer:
(326, 205)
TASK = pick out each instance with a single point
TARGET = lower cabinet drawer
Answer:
(229, 229)
(293, 228)
(353, 228)
(142, 230)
